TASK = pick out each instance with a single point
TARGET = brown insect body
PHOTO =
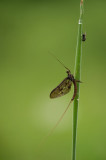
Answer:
(64, 87)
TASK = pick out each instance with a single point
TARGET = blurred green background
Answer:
(28, 30)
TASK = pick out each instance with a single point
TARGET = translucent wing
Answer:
(63, 88)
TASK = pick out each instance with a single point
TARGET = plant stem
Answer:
(77, 77)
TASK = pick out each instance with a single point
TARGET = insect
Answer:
(83, 36)
(65, 86)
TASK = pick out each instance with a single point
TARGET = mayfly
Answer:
(63, 88)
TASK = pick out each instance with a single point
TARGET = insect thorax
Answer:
(70, 76)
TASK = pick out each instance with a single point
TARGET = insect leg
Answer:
(79, 81)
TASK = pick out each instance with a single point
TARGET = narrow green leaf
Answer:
(77, 77)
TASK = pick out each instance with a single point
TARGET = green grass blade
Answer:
(77, 77)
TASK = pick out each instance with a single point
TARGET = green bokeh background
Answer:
(28, 30)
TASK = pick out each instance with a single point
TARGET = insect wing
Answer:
(63, 88)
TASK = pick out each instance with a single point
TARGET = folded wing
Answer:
(63, 88)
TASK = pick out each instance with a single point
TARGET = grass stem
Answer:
(77, 77)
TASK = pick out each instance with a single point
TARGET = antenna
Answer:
(59, 61)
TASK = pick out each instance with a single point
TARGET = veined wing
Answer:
(63, 88)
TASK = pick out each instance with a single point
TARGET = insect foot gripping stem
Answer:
(79, 81)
